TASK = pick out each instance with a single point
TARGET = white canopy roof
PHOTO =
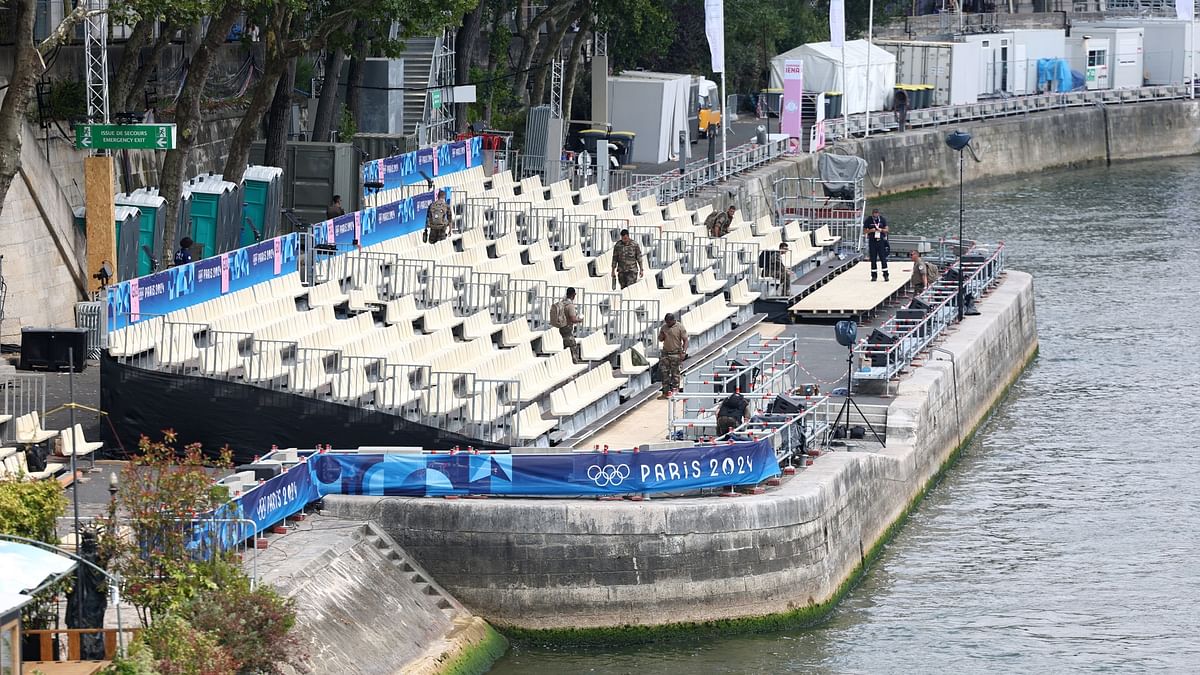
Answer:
(24, 568)
(823, 72)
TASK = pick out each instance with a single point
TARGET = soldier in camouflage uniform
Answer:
(674, 339)
(627, 260)
(717, 224)
(437, 219)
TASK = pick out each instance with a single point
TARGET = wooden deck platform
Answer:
(852, 293)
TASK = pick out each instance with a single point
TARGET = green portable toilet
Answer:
(262, 199)
(127, 229)
(150, 226)
(217, 219)
(204, 215)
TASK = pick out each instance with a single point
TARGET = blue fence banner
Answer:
(276, 499)
(407, 169)
(374, 224)
(196, 282)
(575, 474)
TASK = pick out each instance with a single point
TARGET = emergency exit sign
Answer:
(125, 136)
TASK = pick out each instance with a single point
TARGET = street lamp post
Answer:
(958, 141)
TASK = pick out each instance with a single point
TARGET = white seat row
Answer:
(15, 465)
(708, 315)
(583, 391)
(531, 425)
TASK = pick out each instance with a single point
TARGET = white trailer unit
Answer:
(996, 63)
(1125, 63)
(951, 67)
(1029, 45)
(1090, 56)
(1167, 46)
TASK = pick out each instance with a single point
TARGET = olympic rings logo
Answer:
(605, 476)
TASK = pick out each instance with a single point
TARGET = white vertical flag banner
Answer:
(714, 28)
(1184, 10)
(837, 23)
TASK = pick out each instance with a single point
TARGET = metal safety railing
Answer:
(1001, 107)
(23, 393)
(815, 203)
(914, 329)
(671, 186)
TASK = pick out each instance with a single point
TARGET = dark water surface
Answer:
(1067, 537)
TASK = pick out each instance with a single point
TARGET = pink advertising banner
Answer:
(793, 87)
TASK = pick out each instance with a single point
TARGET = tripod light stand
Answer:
(847, 333)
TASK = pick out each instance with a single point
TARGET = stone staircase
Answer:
(363, 605)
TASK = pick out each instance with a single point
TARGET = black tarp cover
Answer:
(248, 419)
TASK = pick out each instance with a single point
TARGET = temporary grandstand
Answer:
(447, 344)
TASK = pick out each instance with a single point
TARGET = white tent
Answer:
(823, 72)
(655, 107)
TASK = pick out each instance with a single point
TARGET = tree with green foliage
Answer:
(202, 612)
(28, 65)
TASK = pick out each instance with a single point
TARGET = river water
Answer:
(1067, 537)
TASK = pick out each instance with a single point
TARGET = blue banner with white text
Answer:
(415, 167)
(573, 474)
(560, 475)
(196, 282)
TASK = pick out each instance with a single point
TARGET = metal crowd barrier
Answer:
(91, 315)
(1002, 107)
(23, 393)
(913, 335)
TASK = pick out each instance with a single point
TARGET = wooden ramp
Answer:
(852, 293)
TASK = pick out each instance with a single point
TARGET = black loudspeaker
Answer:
(910, 314)
(918, 304)
(49, 349)
(742, 382)
(787, 405)
(879, 337)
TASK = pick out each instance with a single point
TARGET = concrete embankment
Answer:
(560, 565)
(1009, 146)
(365, 606)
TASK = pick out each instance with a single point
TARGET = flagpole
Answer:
(845, 96)
(870, 36)
(724, 126)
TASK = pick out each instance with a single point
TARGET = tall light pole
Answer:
(958, 141)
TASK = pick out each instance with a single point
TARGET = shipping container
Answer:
(951, 67)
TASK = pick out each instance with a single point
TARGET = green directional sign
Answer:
(436, 95)
(125, 136)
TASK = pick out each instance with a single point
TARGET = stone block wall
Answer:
(556, 564)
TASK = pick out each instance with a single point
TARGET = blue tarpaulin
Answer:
(1056, 72)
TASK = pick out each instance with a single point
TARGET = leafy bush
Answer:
(30, 509)
(180, 649)
(253, 625)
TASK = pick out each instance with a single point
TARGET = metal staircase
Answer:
(429, 78)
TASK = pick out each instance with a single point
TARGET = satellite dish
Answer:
(846, 333)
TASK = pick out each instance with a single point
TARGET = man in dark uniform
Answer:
(335, 209)
(875, 226)
(733, 411)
